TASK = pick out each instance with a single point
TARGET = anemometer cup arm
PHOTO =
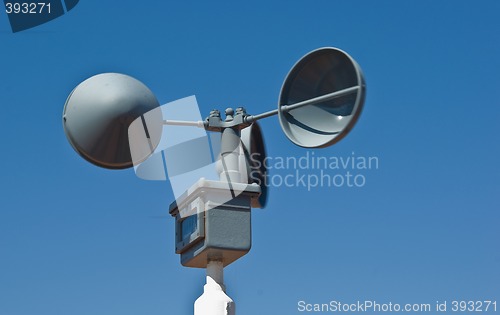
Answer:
(199, 124)
(286, 108)
(253, 118)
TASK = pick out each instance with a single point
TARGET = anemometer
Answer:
(114, 121)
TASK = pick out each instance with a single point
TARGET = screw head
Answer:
(241, 110)
(215, 113)
(229, 111)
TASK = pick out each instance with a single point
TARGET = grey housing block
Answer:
(213, 230)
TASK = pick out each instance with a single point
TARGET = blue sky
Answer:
(79, 239)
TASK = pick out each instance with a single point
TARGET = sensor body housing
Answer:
(211, 227)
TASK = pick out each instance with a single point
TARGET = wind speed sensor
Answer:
(114, 121)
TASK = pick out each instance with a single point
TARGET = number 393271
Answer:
(27, 8)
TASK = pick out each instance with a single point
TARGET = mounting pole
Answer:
(214, 300)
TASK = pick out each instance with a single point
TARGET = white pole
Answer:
(214, 300)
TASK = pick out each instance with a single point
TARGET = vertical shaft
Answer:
(230, 155)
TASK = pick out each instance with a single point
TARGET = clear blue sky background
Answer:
(76, 239)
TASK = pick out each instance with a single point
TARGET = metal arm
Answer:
(287, 108)
(200, 124)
